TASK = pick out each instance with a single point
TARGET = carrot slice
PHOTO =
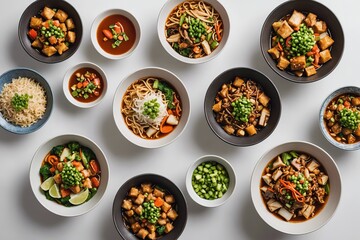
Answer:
(158, 202)
(107, 33)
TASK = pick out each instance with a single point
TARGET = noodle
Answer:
(137, 94)
(183, 24)
(36, 106)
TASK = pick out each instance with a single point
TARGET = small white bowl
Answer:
(206, 202)
(164, 14)
(66, 80)
(117, 105)
(328, 210)
(99, 19)
(35, 182)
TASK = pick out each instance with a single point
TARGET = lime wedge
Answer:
(47, 184)
(54, 191)
(79, 198)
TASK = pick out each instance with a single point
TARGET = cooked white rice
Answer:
(37, 101)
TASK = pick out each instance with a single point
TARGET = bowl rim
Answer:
(49, 104)
(160, 30)
(67, 77)
(323, 216)
(216, 202)
(118, 117)
(100, 17)
(54, 207)
(209, 116)
(323, 128)
(116, 205)
(286, 75)
(53, 59)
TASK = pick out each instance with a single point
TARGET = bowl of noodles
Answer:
(242, 106)
(151, 107)
(193, 31)
(25, 101)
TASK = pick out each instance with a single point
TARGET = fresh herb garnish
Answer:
(20, 102)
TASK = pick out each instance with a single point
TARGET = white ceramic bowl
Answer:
(99, 19)
(67, 92)
(344, 90)
(163, 15)
(206, 202)
(35, 176)
(324, 215)
(179, 87)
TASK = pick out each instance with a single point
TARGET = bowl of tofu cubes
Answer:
(149, 206)
(296, 187)
(50, 31)
(302, 41)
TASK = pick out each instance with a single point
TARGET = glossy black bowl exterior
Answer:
(322, 13)
(162, 182)
(269, 89)
(33, 10)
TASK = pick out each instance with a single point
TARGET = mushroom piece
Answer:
(265, 114)
(273, 205)
(285, 214)
(267, 178)
(277, 173)
(174, 38)
(323, 179)
(206, 47)
(278, 163)
(312, 165)
(296, 164)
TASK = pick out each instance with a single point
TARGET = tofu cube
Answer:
(238, 82)
(325, 42)
(169, 199)
(158, 193)
(140, 199)
(146, 188)
(49, 50)
(285, 30)
(296, 19)
(283, 63)
(35, 22)
(310, 71)
(142, 233)
(134, 192)
(297, 63)
(166, 207)
(127, 204)
(63, 27)
(264, 99)
(274, 52)
(61, 15)
(48, 13)
(325, 56)
(310, 20)
(320, 27)
(276, 25)
(70, 37)
(61, 48)
(168, 227)
(70, 23)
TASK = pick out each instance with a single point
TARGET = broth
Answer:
(91, 96)
(129, 29)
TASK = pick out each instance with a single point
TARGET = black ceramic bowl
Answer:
(163, 183)
(269, 89)
(322, 13)
(25, 72)
(33, 10)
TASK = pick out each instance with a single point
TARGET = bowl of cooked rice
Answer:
(25, 101)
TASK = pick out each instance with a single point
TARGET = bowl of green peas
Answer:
(210, 181)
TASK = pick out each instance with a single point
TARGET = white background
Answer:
(22, 217)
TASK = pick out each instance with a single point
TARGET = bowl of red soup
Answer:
(296, 187)
(85, 85)
(340, 118)
(151, 107)
(115, 33)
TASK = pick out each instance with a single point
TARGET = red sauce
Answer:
(129, 29)
(91, 96)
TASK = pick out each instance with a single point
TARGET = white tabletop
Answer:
(22, 217)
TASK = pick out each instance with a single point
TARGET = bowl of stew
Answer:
(85, 85)
(151, 107)
(193, 31)
(149, 206)
(115, 33)
(303, 41)
(50, 31)
(242, 106)
(69, 175)
(296, 187)
(339, 118)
